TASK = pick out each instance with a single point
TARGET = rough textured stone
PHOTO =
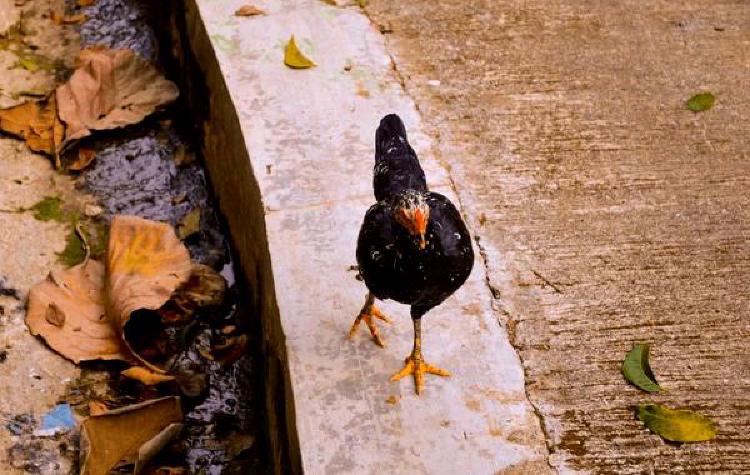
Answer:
(290, 155)
(608, 213)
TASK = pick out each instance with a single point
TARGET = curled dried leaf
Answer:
(230, 350)
(59, 19)
(97, 408)
(84, 158)
(146, 376)
(67, 310)
(130, 435)
(35, 122)
(204, 288)
(145, 264)
(249, 10)
(111, 89)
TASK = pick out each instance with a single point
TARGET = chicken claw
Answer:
(369, 313)
(415, 365)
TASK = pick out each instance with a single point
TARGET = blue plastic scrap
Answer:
(61, 417)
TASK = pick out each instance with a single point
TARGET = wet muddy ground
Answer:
(152, 170)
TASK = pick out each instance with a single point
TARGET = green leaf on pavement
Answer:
(701, 102)
(676, 425)
(637, 371)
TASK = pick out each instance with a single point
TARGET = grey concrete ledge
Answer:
(290, 156)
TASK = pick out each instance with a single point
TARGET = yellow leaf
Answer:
(249, 10)
(145, 264)
(29, 64)
(146, 376)
(35, 122)
(189, 224)
(294, 58)
(675, 424)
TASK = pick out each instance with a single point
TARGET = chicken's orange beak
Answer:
(420, 225)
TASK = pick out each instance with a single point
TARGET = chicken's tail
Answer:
(391, 135)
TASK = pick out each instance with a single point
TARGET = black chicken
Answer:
(413, 246)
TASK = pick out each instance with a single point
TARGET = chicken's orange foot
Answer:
(369, 313)
(415, 365)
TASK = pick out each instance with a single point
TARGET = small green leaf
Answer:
(294, 58)
(701, 102)
(637, 371)
(676, 425)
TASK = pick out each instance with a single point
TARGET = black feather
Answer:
(397, 168)
(390, 261)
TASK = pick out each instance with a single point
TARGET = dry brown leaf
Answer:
(97, 408)
(149, 450)
(111, 89)
(238, 442)
(35, 122)
(145, 264)
(362, 90)
(249, 10)
(129, 435)
(85, 157)
(86, 3)
(189, 224)
(230, 350)
(146, 376)
(59, 19)
(182, 157)
(67, 310)
(204, 288)
(166, 470)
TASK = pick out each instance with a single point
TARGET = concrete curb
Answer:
(289, 153)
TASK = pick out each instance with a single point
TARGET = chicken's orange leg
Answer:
(415, 364)
(368, 313)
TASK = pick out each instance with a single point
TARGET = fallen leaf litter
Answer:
(76, 301)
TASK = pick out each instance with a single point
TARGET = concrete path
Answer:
(608, 214)
(309, 139)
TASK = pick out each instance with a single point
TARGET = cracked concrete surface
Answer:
(309, 137)
(33, 377)
(608, 214)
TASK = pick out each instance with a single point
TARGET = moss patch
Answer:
(49, 209)
(74, 253)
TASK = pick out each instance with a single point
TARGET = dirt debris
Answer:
(219, 398)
